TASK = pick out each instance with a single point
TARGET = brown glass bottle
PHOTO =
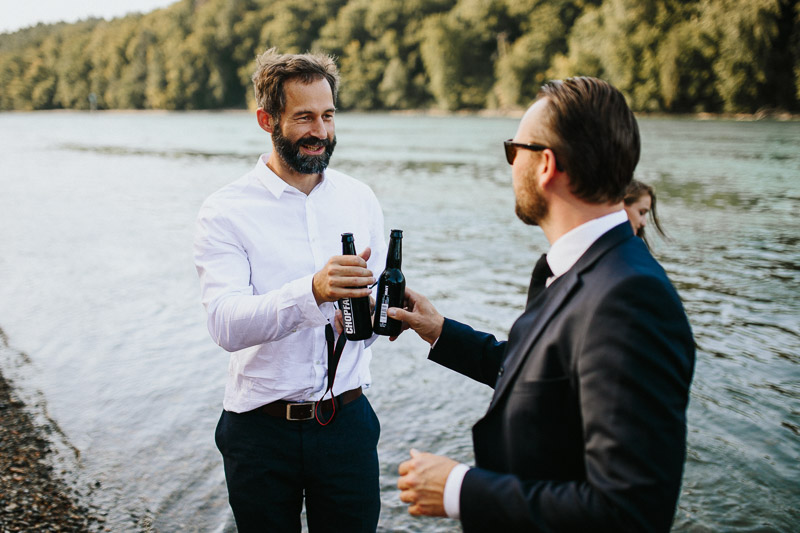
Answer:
(355, 311)
(391, 288)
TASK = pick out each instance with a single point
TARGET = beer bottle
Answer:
(355, 311)
(391, 288)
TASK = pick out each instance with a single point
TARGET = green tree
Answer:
(73, 69)
(379, 62)
(9, 76)
(684, 52)
(665, 55)
(294, 26)
(744, 33)
(107, 51)
(526, 48)
(364, 43)
(177, 25)
(40, 76)
(459, 49)
(15, 94)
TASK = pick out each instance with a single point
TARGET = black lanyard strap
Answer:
(334, 355)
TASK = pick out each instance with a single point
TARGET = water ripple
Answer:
(169, 154)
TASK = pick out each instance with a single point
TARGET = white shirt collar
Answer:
(272, 181)
(566, 251)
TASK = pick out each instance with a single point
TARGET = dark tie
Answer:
(540, 274)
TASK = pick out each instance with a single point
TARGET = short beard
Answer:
(304, 164)
(536, 209)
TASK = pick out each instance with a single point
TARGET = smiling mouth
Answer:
(313, 149)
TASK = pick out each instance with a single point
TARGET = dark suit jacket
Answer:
(587, 427)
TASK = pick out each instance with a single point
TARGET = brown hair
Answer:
(636, 189)
(273, 70)
(595, 136)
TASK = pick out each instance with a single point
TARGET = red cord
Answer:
(334, 353)
(333, 403)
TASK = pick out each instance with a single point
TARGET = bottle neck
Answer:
(395, 256)
(348, 247)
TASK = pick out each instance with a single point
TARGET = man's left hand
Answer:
(422, 481)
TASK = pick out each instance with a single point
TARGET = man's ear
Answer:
(549, 168)
(264, 120)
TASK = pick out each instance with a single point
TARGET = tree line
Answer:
(674, 56)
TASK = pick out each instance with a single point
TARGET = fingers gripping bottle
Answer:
(355, 311)
(391, 288)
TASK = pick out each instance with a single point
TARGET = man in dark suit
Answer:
(586, 430)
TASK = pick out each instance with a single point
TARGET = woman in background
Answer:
(640, 199)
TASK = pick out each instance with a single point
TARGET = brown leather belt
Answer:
(305, 410)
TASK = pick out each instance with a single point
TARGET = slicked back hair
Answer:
(594, 135)
(273, 70)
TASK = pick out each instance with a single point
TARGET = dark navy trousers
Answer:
(272, 464)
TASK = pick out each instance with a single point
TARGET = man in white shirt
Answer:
(586, 430)
(268, 250)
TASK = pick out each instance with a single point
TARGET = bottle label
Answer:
(384, 307)
(347, 317)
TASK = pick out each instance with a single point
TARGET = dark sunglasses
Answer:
(511, 150)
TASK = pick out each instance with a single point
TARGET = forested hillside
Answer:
(666, 55)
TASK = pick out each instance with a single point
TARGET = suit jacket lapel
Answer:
(517, 354)
(554, 298)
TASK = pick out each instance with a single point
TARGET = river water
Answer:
(104, 336)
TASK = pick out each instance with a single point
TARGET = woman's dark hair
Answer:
(636, 190)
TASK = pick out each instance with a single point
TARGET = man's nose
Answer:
(318, 129)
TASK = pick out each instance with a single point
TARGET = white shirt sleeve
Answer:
(452, 491)
(237, 318)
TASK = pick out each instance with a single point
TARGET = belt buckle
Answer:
(300, 411)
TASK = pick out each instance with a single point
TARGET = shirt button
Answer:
(500, 372)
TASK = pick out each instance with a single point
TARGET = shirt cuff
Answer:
(298, 293)
(435, 342)
(452, 491)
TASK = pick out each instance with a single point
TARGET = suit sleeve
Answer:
(475, 354)
(632, 366)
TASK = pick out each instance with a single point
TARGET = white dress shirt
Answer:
(562, 256)
(258, 244)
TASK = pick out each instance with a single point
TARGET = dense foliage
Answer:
(665, 55)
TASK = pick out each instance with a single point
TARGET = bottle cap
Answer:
(347, 237)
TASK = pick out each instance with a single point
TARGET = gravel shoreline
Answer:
(33, 497)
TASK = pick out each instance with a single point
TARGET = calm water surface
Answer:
(103, 333)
